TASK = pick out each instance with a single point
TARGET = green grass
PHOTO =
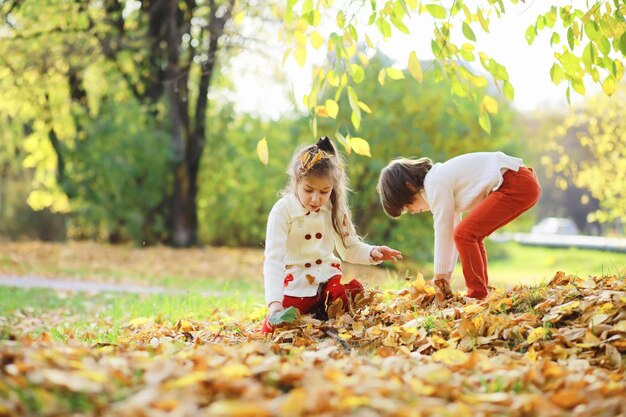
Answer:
(531, 265)
(100, 318)
(512, 264)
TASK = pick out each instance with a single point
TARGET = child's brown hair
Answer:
(399, 181)
(323, 160)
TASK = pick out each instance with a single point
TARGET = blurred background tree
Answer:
(588, 147)
(156, 60)
(107, 109)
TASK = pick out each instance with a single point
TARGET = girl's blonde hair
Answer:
(323, 160)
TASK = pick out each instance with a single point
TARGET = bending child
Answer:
(492, 187)
(304, 227)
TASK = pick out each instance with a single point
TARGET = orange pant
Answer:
(518, 192)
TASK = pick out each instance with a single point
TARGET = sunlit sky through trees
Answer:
(260, 90)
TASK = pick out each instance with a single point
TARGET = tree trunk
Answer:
(188, 152)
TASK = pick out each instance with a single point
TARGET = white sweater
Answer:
(299, 250)
(457, 186)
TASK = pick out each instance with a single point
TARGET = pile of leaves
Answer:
(553, 350)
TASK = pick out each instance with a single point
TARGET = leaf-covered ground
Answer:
(552, 350)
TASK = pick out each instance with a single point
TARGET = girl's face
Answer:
(313, 192)
(418, 205)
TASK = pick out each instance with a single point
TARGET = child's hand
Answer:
(385, 253)
(275, 307)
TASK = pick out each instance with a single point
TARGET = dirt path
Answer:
(89, 286)
(103, 267)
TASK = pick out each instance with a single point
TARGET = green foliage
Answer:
(600, 26)
(119, 176)
(60, 62)
(237, 190)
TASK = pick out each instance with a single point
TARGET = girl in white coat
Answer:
(305, 227)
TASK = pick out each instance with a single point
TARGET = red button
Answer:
(318, 235)
(307, 236)
(308, 265)
(319, 261)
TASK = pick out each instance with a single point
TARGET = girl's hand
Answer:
(275, 307)
(443, 291)
(385, 253)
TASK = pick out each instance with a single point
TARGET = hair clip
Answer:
(322, 149)
(309, 158)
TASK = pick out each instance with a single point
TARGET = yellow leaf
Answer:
(536, 334)
(354, 401)
(262, 151)
(186, 381)
(355, 118)
(235, 371)
(438, 341)
(140, 321)
(185, 326)
(474, 308)
(332, 78)
(420, 388)
(419, 282)
(360, 146)
(321, 111)
(532, 355)
(395, 74)
(365, 107)
(381, 77)
(236, 408)
(316, 40)
(489, 104)
(294, 403)
(415, 68)
(93, 376)
(479, 82)
(450, 356)
(369, 41)
(332, 108)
